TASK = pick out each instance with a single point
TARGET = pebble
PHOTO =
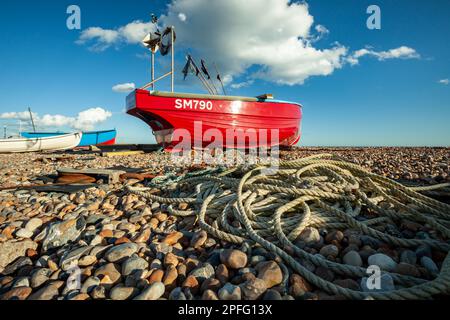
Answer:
(123, 293)
(272, 295)
(253, 289)
(234, 259)
(33, 224)
(407, 269)
(24, 233)
(11, 250)
(229, 292)
(173, 238)
(19, 293)
(209, 295)
(60, 233)
(153, 292)
(270, 273)
(222, 273)
(110, 272)
(121, 252)
(204, 272)
(49, 292)
(199, 239)
(408, 256)
(309, 235)
(383, 261)
(353, 258)
(39, 277)
(177, 294)
(132, 264)
(329, 251)
(429, 264)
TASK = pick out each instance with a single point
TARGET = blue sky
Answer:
(396, 101)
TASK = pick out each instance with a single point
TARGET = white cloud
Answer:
(124, 87)
(402, 52)
(273, 38)
(444, 81)
(182, 17)
(276, 41)
(85, 120)
(102, 39)
(24, 115)
(242, 84)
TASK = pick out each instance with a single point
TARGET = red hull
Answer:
(242, 122)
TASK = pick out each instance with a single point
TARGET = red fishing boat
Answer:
(211, 120)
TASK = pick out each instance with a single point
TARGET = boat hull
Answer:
(53, 143)
(90, 138)
(201, 120)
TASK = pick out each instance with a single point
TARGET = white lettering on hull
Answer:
(188, 104)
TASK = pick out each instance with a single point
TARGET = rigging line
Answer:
(210, 78)
(220, 79)
(191, 64)
(200, 75)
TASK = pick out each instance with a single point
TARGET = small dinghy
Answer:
(54, 143)
(90, 138)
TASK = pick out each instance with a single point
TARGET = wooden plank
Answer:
(112, 176)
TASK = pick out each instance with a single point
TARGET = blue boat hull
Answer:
(90, 138)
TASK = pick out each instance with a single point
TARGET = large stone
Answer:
(329, 251)
(234, 259)
(49, 292)
(383, 261)
(132, 264)
(309, 235)
(121, 252)
(58, 234)
(353, 258)
(123, 293)
(270, 272)
(110, 271)
(11, 250)
(429, 264)
(253, 289)
(206, 271)
(229, 292)
(18, 293)
(33, 224)
(153, 292)
(40, 276)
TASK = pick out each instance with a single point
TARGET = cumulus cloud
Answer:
(85, 120)
(242, 84)
(101, 39)
(182, 16)
(277, 44)
(402, 52)
(444, 82)
(124, 87)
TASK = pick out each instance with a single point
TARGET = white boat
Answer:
(53, 143)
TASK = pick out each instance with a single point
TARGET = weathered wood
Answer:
(111, 176)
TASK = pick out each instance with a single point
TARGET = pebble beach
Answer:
(101, 243)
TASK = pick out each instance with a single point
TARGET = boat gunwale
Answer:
(41, 138)
(166, 94)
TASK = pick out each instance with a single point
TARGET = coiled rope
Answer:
(274, 206)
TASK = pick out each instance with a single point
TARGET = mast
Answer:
(32, 121)
(173, 55)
